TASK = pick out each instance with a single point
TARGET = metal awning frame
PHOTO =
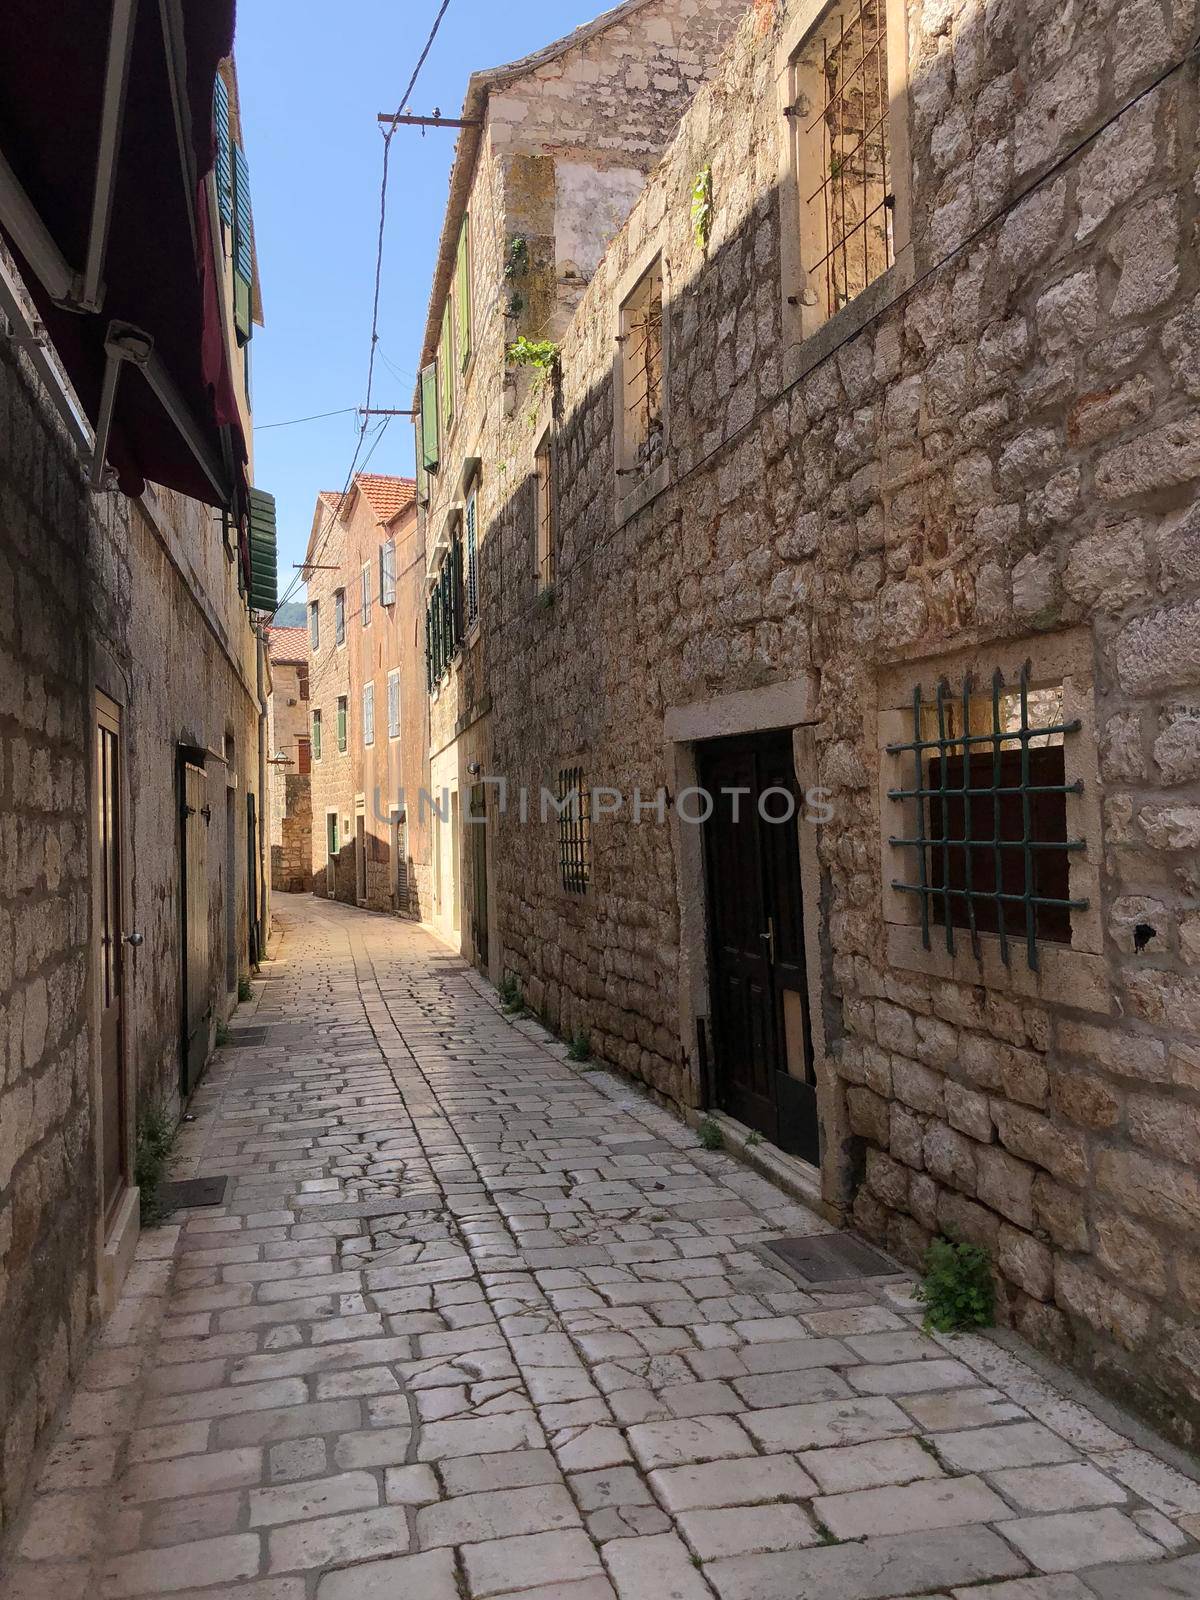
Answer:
(83, 291)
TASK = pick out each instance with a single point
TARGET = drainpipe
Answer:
(263, 802)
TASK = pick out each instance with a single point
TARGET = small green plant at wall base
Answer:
(580, 1047)
(222, 1036)
(711, 1136)
(753, 1138)
(545, 598)
(957, 1291)
(702, 208)
(510, 994)
(244, 989)
(155, 1138)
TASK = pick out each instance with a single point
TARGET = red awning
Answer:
(174, 418)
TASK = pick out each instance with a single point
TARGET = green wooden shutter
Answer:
(264, 575)
(224, 170)
(422, 475)
(316, 735)
(430, 432)
(243, 248)
(463, 290)
(446, 365)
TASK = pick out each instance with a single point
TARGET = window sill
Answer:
(1066, 976)
(631, 500)
(806, 350)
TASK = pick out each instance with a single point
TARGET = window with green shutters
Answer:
(444, 615)
(431, 436)
(264, 577)
(446, 365)
(342, 720)
(339, 616)
(462, 290)
(243, 245)
(316, 736)
(224, 170)
(314, 624)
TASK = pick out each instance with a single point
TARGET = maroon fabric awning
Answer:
(159, 271)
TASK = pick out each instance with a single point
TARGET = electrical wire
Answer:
(261, 427)
(383, 191)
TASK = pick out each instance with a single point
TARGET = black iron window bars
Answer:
(641, 338)
(990, 844)
(574, 830)
(855, 192)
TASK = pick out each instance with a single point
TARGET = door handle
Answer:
(135, 939)
(769, 936)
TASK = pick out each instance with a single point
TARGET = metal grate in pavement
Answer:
(187, 1192)
(240, 1036)
(828, 1257)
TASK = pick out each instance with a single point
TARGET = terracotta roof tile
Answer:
(386, 496)
(287, 646)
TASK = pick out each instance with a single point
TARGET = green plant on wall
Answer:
(957, 1291)
(702, 207)
(540, 353)
(517, 264)
(152, 1152)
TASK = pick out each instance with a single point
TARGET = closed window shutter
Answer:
(264, 577)
(342, 721)
(446, 365)
(316, 735)
(422, 475)
(430, 433)
(224, 172)
(472, 564)
(366, 594)
(393, 704)
(368, 712)
(243, 248)
(463, 290)
(387, 573)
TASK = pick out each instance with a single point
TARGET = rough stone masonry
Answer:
(991, 457)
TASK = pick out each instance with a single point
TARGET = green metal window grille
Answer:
(316, 735)
(990, 848)
(574, 831)
(472, 563)
(341, 722)
(444, 615)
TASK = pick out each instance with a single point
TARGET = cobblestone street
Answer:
(476, 1322)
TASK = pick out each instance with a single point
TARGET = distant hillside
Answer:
(290, 615)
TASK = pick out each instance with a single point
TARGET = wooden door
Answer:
(109, 888)
(195, 815)
(331, 853)
(762, 1053)
(477, 815)
(252, 888)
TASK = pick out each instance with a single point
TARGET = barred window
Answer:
(472, 561)
(840, 120)
(444, 614)
(544, 489)
(990, 850)
(641, 344)
(574, 830)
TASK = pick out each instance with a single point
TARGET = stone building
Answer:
(865, 480)
(365, 579)
(290, 760)
(132, 730)
(559, 147)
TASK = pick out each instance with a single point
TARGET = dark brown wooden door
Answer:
(762, 1050)
(108, 872)
(195, 817)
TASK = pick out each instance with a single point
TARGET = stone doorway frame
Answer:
(787, 705)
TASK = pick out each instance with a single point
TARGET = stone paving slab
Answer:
(474, 1324)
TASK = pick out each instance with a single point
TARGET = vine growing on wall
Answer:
(702, 207)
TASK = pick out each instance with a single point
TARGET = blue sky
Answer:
(312, 76)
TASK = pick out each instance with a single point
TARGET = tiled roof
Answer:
(387, 497)
(287, 646)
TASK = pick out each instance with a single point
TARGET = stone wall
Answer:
(138, 600)
(569, 136)
(291, 858)
(332, 786)
(998, 447)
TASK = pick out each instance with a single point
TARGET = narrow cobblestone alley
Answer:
(474, 1322)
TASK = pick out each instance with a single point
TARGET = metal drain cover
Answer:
(827, 1257)
(247, 1036)
(188, 1192)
